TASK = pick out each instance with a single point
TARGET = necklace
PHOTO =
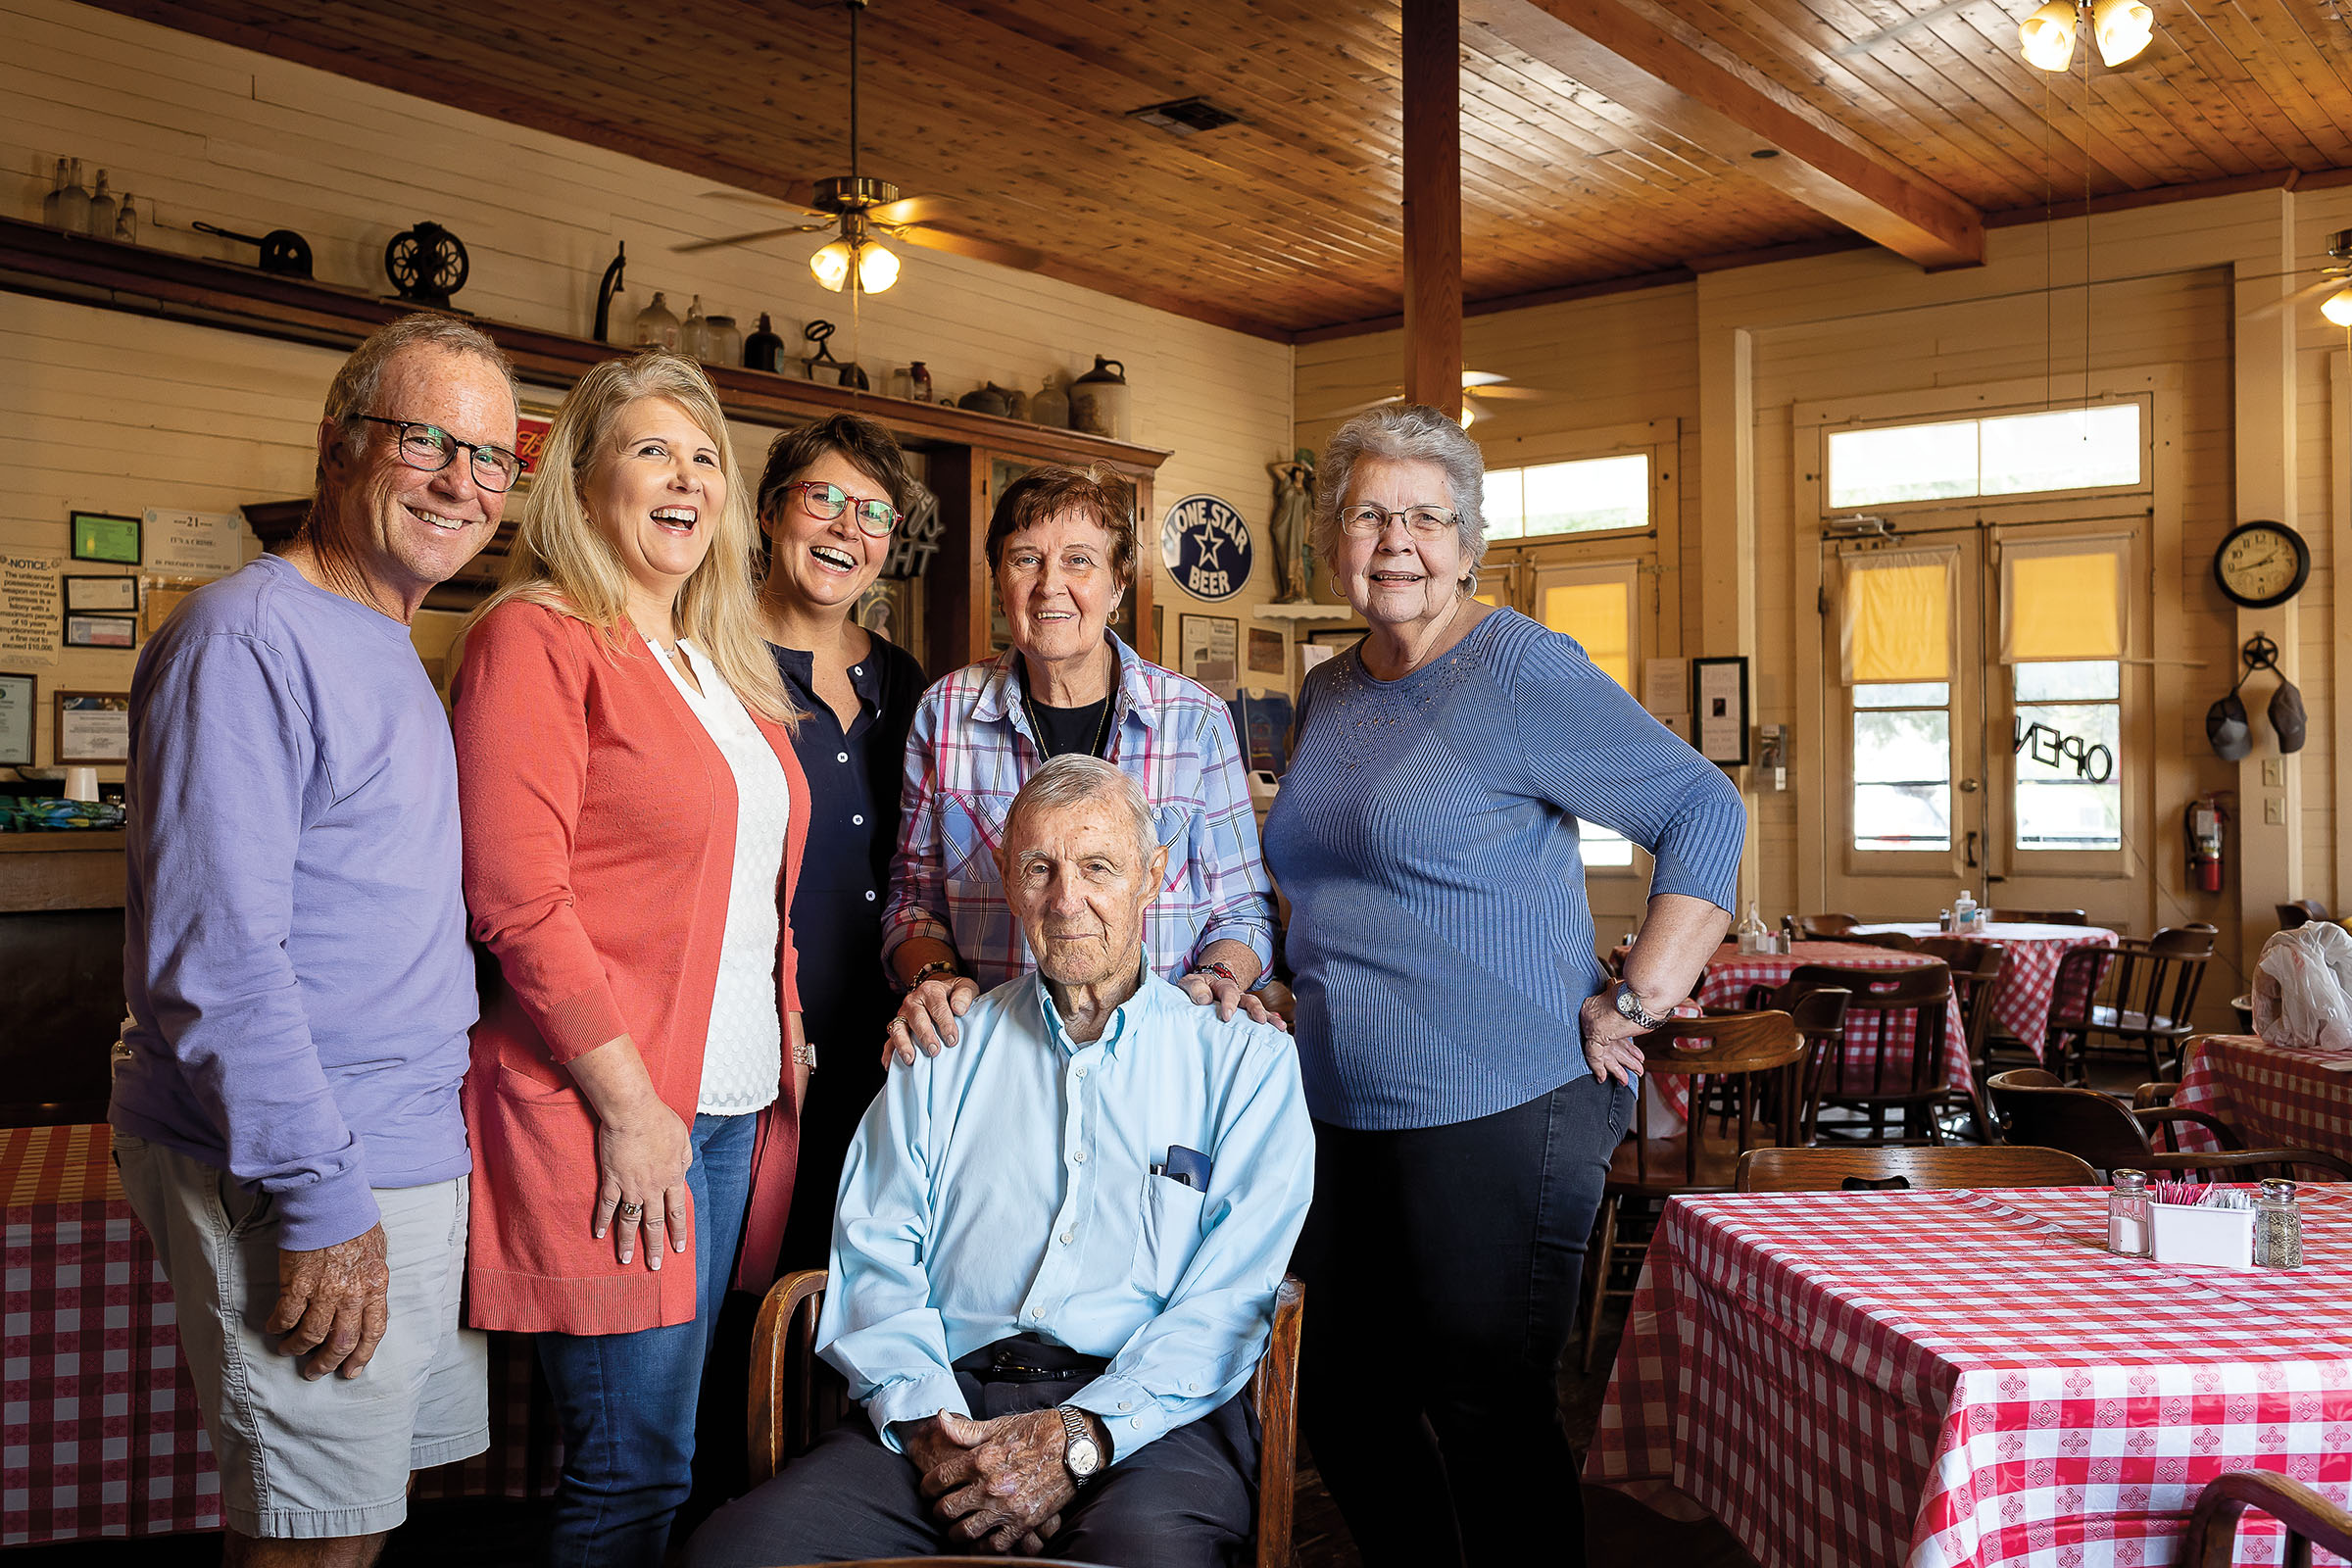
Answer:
(1037, 725)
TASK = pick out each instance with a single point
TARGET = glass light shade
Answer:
(2047, 36)
(2337, 306)
(1469, 413)
(831, 264)
(877, 268)
(2123, 28)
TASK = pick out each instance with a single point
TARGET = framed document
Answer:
(102, 536)
(92, 728)
(119, 595)
(1719, 710)
(16, 720)
(101, 631)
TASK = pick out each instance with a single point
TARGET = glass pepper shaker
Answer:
(2128, 1214)
(2277, 1226)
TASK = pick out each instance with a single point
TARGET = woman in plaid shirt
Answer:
(1062, 548)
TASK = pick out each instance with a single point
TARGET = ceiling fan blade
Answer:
(796, 202)
(1471, 378)
(1528, 392)
(979, 249)
(752, 238)
(913, 209)
(1343, 414)
(2288, 301)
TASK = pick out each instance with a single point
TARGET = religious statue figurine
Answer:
(1294, 503)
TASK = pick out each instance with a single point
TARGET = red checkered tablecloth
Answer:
(1731, 972)
(1969, 1379)
(2029, 968)
(99, 1434)
(2272, 1096)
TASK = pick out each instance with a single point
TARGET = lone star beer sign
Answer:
(1206, 546)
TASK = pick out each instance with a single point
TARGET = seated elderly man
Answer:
(1057, 1247)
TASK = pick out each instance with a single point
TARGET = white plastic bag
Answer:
(2303, 988)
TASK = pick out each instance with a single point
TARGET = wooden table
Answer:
(100, 1433)
(2029, 977)
(1968, 1379)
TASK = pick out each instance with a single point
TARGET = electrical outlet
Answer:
(2273, 772)
(2274, 810)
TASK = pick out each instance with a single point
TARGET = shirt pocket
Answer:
(1167, 1234)
(1172, 826)
(968, 848)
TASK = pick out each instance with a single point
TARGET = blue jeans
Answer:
(626, 1402)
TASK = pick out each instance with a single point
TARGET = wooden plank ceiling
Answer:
(1289, 220)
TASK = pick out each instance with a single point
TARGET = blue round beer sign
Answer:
(1206, 546)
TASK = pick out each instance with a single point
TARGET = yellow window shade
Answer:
(2061, 602)
(1599, 615)
(1898, 616)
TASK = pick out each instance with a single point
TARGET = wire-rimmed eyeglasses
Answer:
(1366, 521)
(430, 448)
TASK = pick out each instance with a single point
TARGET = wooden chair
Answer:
(2035, 1109)
(1753, 1061)
(1881, 1005)
(1896, 941)
(2300, 911)
(2311, 1520)
(2154, 994)
(1914, 1165)
(2037, 917)
(1825, 927)
(2073, 994)
(1819, 1012)
(789, 1405)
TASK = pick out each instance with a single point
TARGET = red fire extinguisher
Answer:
(2203, 824)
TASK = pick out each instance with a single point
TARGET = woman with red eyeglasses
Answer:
(829, 500)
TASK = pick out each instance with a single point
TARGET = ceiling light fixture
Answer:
(2123, 28)
(2047, 36)
(2337, 306)
(854, 260)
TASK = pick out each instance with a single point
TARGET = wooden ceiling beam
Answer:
(1645, 61)
(1433, 204)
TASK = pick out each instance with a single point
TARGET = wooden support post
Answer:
(1433, 204)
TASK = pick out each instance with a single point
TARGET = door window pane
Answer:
(1902, 778)
(1599, 617)
(1902, 463)
(2069, 755)
(1589, 496)
(2070, 449)
(1503, 504)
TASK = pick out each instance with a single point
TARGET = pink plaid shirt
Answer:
(969, 752)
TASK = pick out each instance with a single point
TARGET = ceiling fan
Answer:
(1478, 386)
(860, 209)
(2332, 284)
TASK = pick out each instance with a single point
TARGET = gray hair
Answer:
(1412, 432)
(361, 381)
(1074, 778)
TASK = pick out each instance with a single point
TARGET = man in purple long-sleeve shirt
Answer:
(285, 1105)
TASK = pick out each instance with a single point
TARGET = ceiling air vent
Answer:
(1182, 117)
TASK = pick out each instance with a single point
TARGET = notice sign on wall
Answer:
(194, 544)
(29, 608)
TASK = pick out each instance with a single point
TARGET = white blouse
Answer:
(742, 1057)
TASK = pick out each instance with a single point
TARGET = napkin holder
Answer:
(2191, 1233)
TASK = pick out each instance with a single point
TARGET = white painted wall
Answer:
(113, 412)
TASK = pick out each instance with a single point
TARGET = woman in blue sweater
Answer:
(1469, 1065)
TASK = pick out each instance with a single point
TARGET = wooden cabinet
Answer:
(968, 455)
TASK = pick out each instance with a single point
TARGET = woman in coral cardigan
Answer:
(633, 823)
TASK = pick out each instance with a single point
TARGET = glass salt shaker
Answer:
(2277, 1226)
(2128, 1214)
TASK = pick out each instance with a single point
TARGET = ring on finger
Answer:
(631, 1210)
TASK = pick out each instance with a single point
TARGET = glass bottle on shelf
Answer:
(74, 203)
(101, 220)
(694, 334)
(763, 350)
(55, 197)
(1050, 404)
(2277, 1226)
(918, 381)
(725, 340)
(655, 326)
(126, 220)
(2128, 1234)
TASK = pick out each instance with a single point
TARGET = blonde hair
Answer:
(562, 560)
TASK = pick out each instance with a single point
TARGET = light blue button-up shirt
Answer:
(1005, 1186)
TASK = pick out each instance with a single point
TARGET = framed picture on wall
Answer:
(102, 536)
(1209, 650)
(1719, 710)
(101, 631)
(93, 729)
(119, 595)
(16, 720)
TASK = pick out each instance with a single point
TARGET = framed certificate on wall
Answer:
(93, 729)
(16, 720)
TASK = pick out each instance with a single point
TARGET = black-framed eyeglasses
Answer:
(1368, 521)
(875, 518)
(429, 447)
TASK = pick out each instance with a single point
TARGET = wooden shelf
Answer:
(146, 281)
(70, 838)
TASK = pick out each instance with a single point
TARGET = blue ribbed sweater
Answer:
(1426, 836)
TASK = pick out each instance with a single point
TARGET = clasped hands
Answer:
(995, 1486)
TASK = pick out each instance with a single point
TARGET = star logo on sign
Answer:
(1206, 537)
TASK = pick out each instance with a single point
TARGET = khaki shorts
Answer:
(304, 1459)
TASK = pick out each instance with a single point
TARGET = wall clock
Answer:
(2262, 563)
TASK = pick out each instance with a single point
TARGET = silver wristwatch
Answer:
(1079, 1452)
(1628, 1008)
